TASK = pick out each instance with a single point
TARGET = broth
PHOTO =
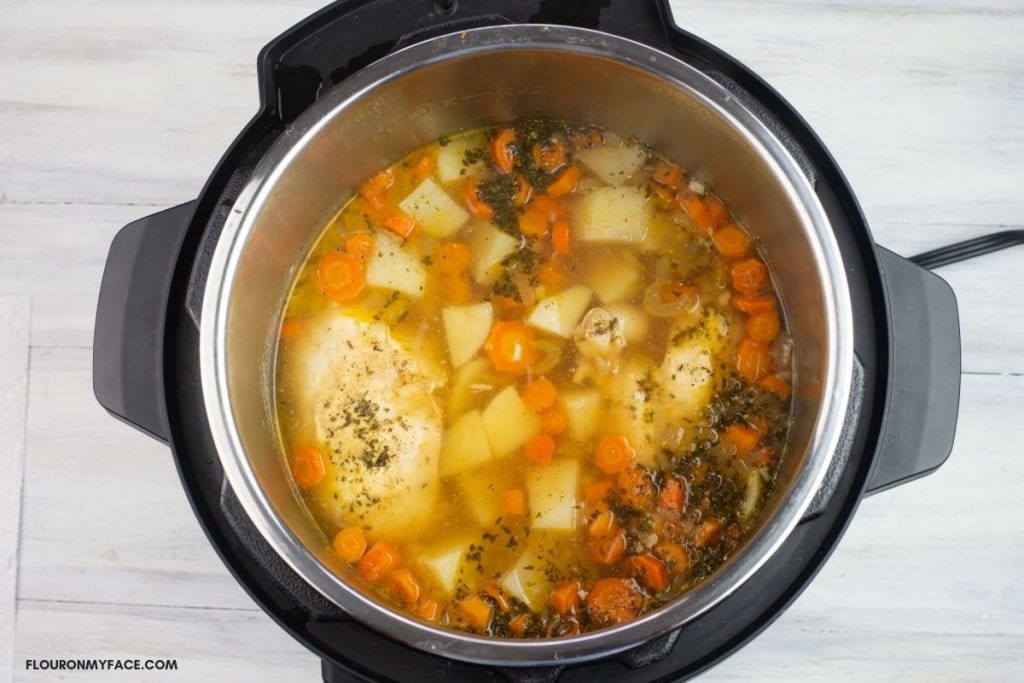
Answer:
(533, 381)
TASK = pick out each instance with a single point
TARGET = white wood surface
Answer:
(111, 109)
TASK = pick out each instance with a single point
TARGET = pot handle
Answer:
(924, 392)
(127, 355)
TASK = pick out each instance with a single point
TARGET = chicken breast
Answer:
(371, 405)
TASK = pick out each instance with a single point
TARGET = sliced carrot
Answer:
(668, 175)
(551, 273)
(586, 137)
(673, 494)
(602, 520)
(716, 210)
(560, 237)
(533, 221)
(428, 610)
(707, 533)
(553, 422)
(378, 561)
(340, 276)
(753, 360)
(375, 203)
(307, 465)
(398, 223)
(423, 167)
(290, 329)
(565, 598)
(519, 624)
(674, 556)
(454, 257)
(477, 206)
(608, 548)
(749, 276)
(503, 151)
(539, 394)
(614, 601)
(404, 585)
(743, 438)
(350, 543)
(695, 207)
(754, 304)
(513, 502)
(455, 289)
(565, 182)
(672, 292)
(651, 570)
(635, 487)
(360, 245)
(552, 209)
(614, 454)
(598, 490)
(763, 327)
(476, 612)
(776, 385)
(540, 448)
(377, 185)
(759, 457)
(495, 594)
(549, 155)
(525, 190)
(510, 347)
(731, 241)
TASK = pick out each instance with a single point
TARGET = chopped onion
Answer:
(698, 187)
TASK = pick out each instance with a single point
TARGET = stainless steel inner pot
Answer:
(463, 81)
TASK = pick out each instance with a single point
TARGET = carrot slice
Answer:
(290, 329)
(668, 175)
(377, 185)
(423, 167)
(494, 593)
(513, 502)
(553, 422)
(405, 585)
(651, 570)
(763, 327)
(565, 182)
(753, 304)
(533, 221)
(477, 206)
(398, 223)
(776, 385)
(614, 454)
(307, 465)
(731, 241)
(635, 487)
(340, 276)
(350, 543)
(673, 555)
(716, 210)
(565, 598)
(519, 624)
(360, 245)
(695, 207)
(743, 438)
(476, 612)
(539, 394)
(503, 151)
(551, 274)
(608, 548)
(454, 257)
(510, 347)
(749, 277)
(614, 601)
(540, 448)
(560, 237)
(753, 361)
(428, 610)
(673, 494)
(525, 190)
(602, 520)
(549, 155)
(707, 533)
(378, 561)
(598, 490)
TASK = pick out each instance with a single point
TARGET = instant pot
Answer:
(191, 299)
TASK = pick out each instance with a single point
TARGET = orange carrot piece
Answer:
(759, 457)
(608, 548)
(749, 276)
(602, 520)
(565, 598)
(398, 223)
(598, 490)
(651, 570)
(716, 210)
(614, 454)
(668, 175)
(428, 610)
(549, 155)
(753, 360)
(455, 289)
(494, 593)
(635, 487)
(560, 237)
(502, 150)
(340, 276)
(614, 601)
(513, 502)
(743, 438)
(707, 533)
(539, 394)
(776, 385)
(533, 221)
(754, 304)
(477, 206)
(360, 245)
(695, 207)
(377, 185)
(476, 612)
(565, 182)
(763, 327)
(525, 190)
(673, 494)
(404, 585)
(423, 167)
(731, 241)
(519, 624)
(551, 274)
(454, 257)
(350, 543)
(674, 556)
(378, 561)
(307, 465)
(553, 422)
(540, 448)
(672, 292)
(290, 329)
(510, 347)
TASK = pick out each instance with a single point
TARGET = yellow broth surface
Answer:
(533, 381)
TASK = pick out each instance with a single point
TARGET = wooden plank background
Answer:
(112, 109)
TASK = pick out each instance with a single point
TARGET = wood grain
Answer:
(113, 109)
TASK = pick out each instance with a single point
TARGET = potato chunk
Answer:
(613, 214)
(393, 265)
(615, 162)
(444, 565)
(614, 277)
(509, 423)
(583, 410)
(552, 490)
(529, 579)
(465, 444)
(561, 313)
(451, 158)
(466, 328)
(490, 247)
(434, 210)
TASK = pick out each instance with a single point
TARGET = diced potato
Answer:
(552, 491)
(434, 210)
(687, 372)
(630, 321)
(451, 158)
(466, 328)
(615, 162)
(634, 408)
(480, 494)
(445, 563)
(490, 247)
(614, 277)
(393, 265)
(471, 380)
(561, 313)
(583, 412)
(613, 214)
(528, 580)
(752, 493)
(465, 444)
(509, 423)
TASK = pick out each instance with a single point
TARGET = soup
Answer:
(533, 381)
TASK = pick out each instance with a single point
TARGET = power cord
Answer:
(968, 249)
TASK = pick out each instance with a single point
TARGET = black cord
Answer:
(968, 249)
